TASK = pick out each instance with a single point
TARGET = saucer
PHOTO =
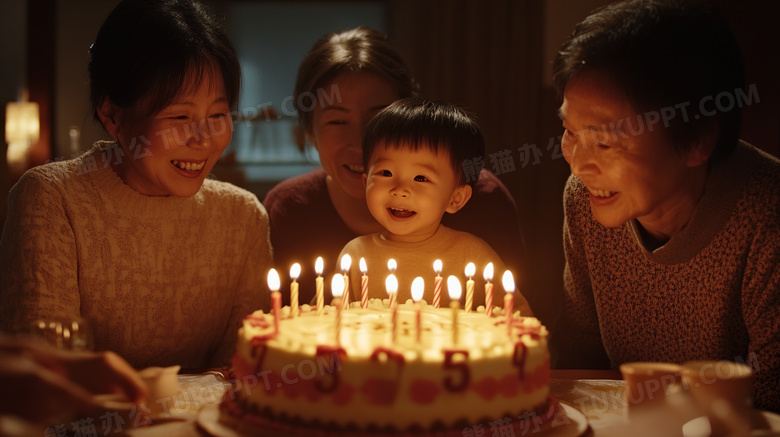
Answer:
(765, 423)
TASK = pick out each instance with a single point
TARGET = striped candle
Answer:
(488, 290)
(364, 284)
(437, 266)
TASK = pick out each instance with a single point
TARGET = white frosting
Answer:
(290, 355)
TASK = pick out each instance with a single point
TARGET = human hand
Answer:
(43, 385)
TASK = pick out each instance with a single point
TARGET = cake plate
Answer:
(570, 422)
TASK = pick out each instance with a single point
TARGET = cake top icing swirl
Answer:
(364, 330)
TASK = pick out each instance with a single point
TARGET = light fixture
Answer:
(22, 129)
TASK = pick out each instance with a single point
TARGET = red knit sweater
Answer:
(711, 292)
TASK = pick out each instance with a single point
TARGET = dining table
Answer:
(594, 399)
(595, 393)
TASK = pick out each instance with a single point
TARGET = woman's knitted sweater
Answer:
(711, 292)
(161, 280)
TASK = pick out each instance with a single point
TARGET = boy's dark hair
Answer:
(148, 50)
(432, 124)
(663, 55)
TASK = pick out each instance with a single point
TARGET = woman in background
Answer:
(344, 80)
(162, 262)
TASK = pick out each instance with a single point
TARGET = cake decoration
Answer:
(386, 367)
(371, 379)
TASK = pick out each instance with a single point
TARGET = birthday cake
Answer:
(408, 371)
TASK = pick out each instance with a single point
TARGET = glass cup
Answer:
(63, 333)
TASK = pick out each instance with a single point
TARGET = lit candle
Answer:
(337, 288)
(346, 262)
(318, 266)
(470, 270)
(454, 290)
(364, 284)
(488, 273)
(391, 284)
(392, 266)
(295, 272)
(418, 288)
(276, 298)
(437, 284)
(394, 292)
(509, 286)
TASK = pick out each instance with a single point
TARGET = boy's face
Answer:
(408, 191)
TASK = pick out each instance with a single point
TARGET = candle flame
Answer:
(273, 280)
(437, 266)
(391, 284)
(453, 287)
(509, 282)
(346, 262)
(470, 270)
(488, 272)
(295, 271)
(363, 267)
(392, 265)
(418, 288)
(319, 265)
(337, 285)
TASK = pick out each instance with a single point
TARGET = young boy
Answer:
(413, 152)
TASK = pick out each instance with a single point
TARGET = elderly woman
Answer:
(671, 233)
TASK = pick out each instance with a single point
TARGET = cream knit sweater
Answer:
(454, 248)
(161, 280)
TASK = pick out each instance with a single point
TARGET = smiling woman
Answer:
(672, 225)
(181, 143)
(132, 236)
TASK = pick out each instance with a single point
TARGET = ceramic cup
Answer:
(163, 385)
(648, 383)
(721, 389)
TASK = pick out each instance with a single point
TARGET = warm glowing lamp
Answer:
(22, 129)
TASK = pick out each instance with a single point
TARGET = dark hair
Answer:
(423, 123)
(662, 53)
(148, 51)
(358, 49)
